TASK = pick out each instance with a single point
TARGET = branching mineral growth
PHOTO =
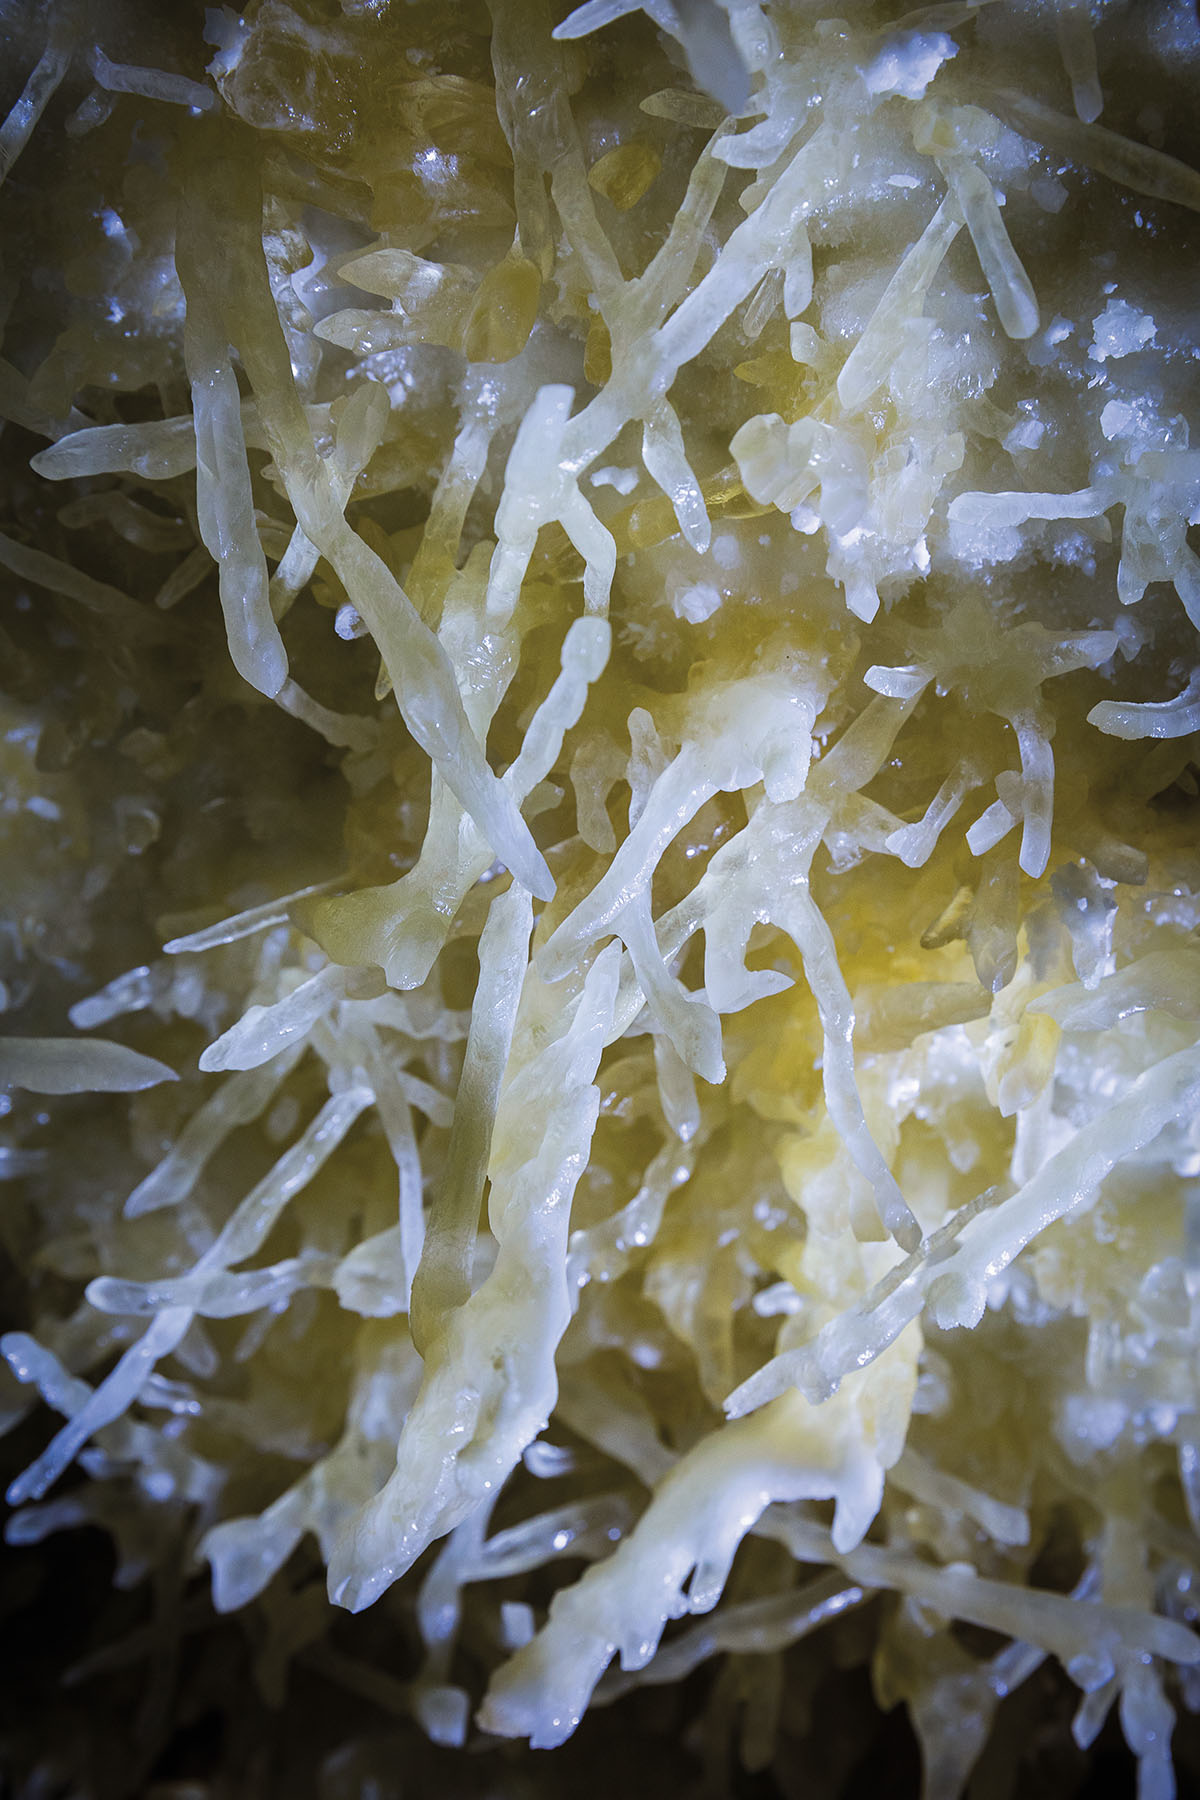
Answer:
(601, 885)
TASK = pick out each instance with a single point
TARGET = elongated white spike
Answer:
(1077, 43)
(676, 797)
(666, 460)
(595, 544)
(594, 15)
(114, 1396)
(60, 577)
(1119, 158)
(990, 828)
(345, 731)
(249, 1226)
(585, 654)
(805, 924)
(528, 500)
(77, 1066)
(245, 924)
(224, 497)
(219, 1294)
(1037, 770)
(1177, 717)
(31, 103)
(443, 1277)
(153, 84)
(868, 364)
(914, 844)
(688, 1019)
(263, 1031)
(1011, 287)
(1003, 510)
(238, 1101)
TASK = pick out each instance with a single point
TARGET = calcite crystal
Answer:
(601, 879)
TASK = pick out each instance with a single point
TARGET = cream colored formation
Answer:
(714, 504)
